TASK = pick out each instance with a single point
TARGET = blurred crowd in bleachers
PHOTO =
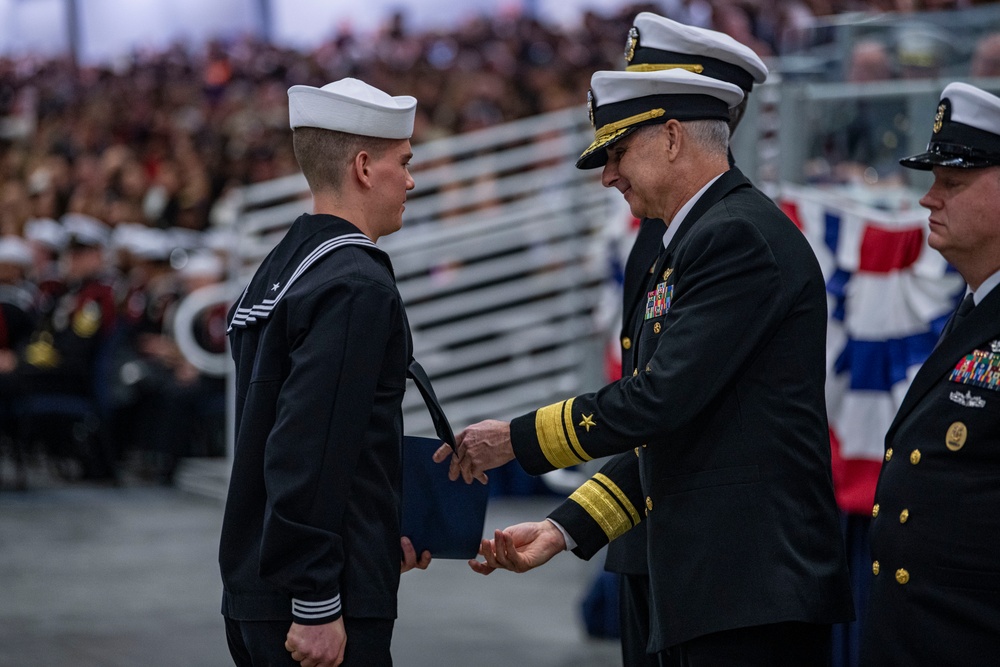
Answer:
(111, 179)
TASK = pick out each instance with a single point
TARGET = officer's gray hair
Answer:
(711, 135)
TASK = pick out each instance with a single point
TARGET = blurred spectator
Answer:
(921, 51)
(62, 352)
(18, 296)
(869, 61)
(867, 135)
(986, 59)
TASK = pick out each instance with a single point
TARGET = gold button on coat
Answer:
(902, 576)
(649, 503)
(875, 511)
(904, 516)
(626, 342)
(875, 568)
(635, 372)
(915, 457)
(888, 454)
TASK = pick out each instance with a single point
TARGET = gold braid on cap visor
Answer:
(651, 67)
(612, 131)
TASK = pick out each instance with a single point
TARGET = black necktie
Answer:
(964, 309)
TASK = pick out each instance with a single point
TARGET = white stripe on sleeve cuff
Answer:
(313, 610)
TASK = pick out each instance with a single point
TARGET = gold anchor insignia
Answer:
(957, 435)
(630, 44)
(588, 421)
(939, 118)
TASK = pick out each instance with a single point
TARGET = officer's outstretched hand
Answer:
(520, 548)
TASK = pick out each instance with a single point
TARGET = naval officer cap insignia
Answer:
(657, 43)
(966, 131)
(352, 106)
(626, 101)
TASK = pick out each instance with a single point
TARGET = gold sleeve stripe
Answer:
(603, 508)
(570, 428)
(553, 435)
(620, 496)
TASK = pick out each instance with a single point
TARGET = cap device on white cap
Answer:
(621, 102)
(657, 43)
(966, 132)
(352, 106)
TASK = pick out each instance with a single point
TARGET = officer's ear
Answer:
(672, 136)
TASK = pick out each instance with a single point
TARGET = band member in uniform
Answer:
(77, 315)
(935, 535)
(311, 550)
(726, 411)
(654, 43)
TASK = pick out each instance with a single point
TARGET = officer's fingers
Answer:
(441, 453)
(481, 567)
(454, 469)
(467, 473)
(487, 551)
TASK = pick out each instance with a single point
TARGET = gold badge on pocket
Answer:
(957, 435)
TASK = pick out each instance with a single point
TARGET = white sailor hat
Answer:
(203, 264)
(656, 43)
(46, 232)
(85, 230)
(352, 106)
(15, 250)
(150, 243)
(621, 102)
(966, 132)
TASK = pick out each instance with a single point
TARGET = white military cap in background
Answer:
(966, 131)
(46, 232)
(658, 43)
(352, 106)
(621, 102)
(85, 230)
(15, 250)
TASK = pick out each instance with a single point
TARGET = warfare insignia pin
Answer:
(967, 399)
(630, 44)
(666, 274)
(956, 436)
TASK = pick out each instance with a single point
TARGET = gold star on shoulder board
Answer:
(588, 421)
